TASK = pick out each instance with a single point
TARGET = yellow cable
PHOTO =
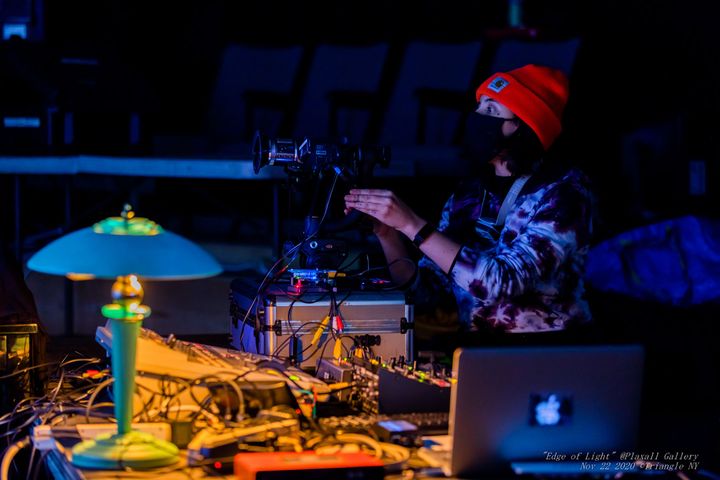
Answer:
(337, 349)
(321, 328)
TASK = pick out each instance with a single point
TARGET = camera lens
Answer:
(280, 151)
(259, 152)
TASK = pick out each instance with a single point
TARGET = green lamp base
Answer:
(137, 450)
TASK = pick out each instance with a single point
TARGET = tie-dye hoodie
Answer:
(530, 279)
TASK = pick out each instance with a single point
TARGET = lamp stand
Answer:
(126, 448)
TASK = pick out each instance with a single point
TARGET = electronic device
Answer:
(215, 448)
(168, 356)
(306, 155)
(427, 423)
(18, 351)
(310, 163)
(514, 404)
(339, 372)
(333, 370)
(402, 391)
(388, 386)
(400, 432)
(307, 465)
(283, 323)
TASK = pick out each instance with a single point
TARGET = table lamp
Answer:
(125, 248)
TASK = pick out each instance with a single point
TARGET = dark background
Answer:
(643, 108)
(643, 100)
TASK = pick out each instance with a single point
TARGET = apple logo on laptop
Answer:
(549, 410)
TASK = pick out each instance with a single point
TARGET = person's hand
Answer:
(386, 208)
(378, 228)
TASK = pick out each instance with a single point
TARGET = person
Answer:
(507, 254)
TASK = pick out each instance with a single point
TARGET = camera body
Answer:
(308, 157)
(322, 164)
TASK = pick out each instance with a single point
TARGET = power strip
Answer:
(45, 436)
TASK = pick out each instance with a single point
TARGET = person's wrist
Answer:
(385, 233)
(412, 228)
(423, 234)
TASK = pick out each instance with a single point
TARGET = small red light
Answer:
(217, 465)
(298, 411)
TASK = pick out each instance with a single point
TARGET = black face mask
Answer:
(483, 137)
(500, 186)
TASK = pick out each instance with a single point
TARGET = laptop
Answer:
(536, 408)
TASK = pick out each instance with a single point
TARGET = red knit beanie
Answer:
(535, 93)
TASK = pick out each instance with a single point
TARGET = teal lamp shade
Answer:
(125, 248)
(161, 256)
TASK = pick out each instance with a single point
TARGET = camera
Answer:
(308, 157)
(321, 164)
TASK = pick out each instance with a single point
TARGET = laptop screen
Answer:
(536, 403)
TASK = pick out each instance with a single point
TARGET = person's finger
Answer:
(366, 208)
(371, 191)
(364, 198)
(363, 206)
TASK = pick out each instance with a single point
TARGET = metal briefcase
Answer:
(283, 326)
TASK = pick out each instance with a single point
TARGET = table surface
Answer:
(58, 463)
